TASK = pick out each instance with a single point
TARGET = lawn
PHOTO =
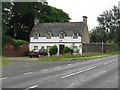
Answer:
(4, 61)
(77, 57)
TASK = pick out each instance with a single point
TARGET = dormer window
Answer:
(36, 36)
(61, 35)
(48, 35)
(75, 35)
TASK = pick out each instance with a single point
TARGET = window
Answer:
(48, 47)
(42, 49)
(75, 36)
(62, 35)
(35, 47)
(48, 35)
(36, 36)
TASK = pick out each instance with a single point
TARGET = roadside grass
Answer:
(78, 57)
(4, 61)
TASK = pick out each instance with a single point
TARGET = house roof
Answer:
(55, 28)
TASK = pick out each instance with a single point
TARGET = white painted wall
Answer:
(68, 41)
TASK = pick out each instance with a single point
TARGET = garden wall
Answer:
(98, 47)
(11, 51)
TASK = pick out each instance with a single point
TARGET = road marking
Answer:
(71, 85)
(90, 68)
(108, 63)
(69, 64)
(77, 72)
(3, 78)
(28, 73)
(44, 70)
(58, 67)
(31, 87)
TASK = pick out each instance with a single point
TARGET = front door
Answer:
(61, 49)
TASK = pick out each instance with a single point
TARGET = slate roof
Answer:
(55, 28)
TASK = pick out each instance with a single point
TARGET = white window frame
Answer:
(48, 36)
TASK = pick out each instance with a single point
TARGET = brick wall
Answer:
(98, 47)
(10, 51)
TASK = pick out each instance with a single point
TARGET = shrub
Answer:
(6, 40)
(71, 51)
(26, 53)
(17, 43)
(68, 50)
(9, 40)
(53, 50)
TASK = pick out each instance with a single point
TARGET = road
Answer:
(97, 73)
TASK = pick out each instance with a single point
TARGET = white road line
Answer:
(3, 78)
(108, 63)
(77, 72)
(90, 68)
(28, 73)
(58, 67)
(69, 64)
(44, 70)
(31, 87)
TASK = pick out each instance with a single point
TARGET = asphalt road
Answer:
(97, 73)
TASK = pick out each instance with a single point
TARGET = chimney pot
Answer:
(85, 19)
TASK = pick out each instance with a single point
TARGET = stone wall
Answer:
(10, 51)
(98, 47)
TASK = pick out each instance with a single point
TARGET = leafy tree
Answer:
(109, 27)
(98, 35)
(109, 22)
(22, 14)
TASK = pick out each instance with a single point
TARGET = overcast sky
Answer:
(78, 8)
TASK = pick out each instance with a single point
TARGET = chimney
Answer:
(85, 19)
(36, 21)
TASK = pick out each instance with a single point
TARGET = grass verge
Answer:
(78, 57)
(4, 61)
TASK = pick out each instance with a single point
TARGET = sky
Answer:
(78, 8)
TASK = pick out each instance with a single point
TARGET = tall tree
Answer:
(98, 35)
(23, 14)
(109, 22)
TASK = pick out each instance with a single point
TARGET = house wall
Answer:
(55, 39)
(85, 35)
(42, 41)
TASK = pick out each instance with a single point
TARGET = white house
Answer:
(71, 34)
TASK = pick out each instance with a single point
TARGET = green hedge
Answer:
(53, 50)
(9, 40)
(68, 50)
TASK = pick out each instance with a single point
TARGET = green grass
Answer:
(78, 57)
(4, 61)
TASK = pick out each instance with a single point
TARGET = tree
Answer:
(22, 17)
(109, 22)
(98, 35)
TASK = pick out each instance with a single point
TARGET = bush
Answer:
(26, 53)
(6, 40)
(17, 43)
(9, 40)
(68, 50)
(53, 50)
